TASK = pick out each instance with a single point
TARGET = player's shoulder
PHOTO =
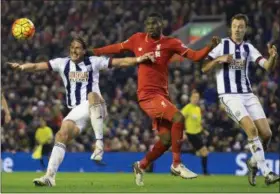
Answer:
(139, 35)
(60, 60)
(251, 46)
(95, 59)
(223, 40)
(188, 106)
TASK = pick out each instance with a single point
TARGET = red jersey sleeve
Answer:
(129, 43)
(179, 47)
(117, 48)
(195, 55)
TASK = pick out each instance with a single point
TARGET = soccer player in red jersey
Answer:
(152, 90)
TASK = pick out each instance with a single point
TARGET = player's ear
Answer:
(161, 23)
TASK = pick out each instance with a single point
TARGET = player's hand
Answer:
(7, 118)
(15, 66)
(214, 42)
(147, 56)
(272, 50)
(206, 132)
(225, 59)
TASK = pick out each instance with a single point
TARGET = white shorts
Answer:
(240, 105)
(80, 115)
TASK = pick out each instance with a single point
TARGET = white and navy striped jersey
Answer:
(79, 79)
(234, 77)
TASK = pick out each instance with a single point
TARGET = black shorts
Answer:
(196, 140)
(47, 149)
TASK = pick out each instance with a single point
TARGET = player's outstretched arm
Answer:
(130, 61)
(30, 67)
(127, 45)
(202, 53)
(106, 50)
(271, 63)
(5, 106)
(210, 64)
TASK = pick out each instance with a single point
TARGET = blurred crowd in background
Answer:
(36, 96)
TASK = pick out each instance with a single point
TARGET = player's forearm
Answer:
(270, 64)
(209, 65)
(197, 55)
(125, 62)
(28, 67)
(110, 49)
(5, 105)
(31, 67)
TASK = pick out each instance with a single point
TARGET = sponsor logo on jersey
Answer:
(78, 76)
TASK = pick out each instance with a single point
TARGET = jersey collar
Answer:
(148, 39)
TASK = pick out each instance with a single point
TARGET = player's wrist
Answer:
(138, 59)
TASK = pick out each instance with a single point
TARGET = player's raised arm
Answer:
(5, 107)
(115, 48)
(130, 61)
(196, 55)
(30, 67)
(271, 63)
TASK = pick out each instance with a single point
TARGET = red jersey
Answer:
(153, 77)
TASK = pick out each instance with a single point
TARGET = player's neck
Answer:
(78, 61)
(154, 38)
(236, 41)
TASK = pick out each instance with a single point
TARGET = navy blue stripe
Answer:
(50, 67)
(238, 72)
(87, 61)
(226, 69)
(89, 85)
(246, 48)
(78, 88)
(68, 85)
(238, 81)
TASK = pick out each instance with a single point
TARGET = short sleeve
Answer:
(185, 111)
(179, 47)
(256, 56)
(101, 63)
(129, 43)
(56, 64)
(216, 52)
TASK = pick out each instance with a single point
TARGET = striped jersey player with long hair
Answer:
(80, 75)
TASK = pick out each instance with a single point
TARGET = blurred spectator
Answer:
(44, 141)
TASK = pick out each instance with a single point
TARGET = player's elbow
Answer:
(204, 68)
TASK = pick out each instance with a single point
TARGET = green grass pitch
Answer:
(124, 182)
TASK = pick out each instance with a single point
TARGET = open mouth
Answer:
(74, 55)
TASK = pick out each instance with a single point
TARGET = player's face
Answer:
(42, 122)
(195, 98)
(77, 51)
(238, 29)
(153, 26)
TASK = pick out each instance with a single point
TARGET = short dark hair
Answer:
(80, 40)
(240, 16)
(157, 15)
(194, 91)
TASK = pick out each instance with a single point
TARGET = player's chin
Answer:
(74, 58)
(152, 34)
